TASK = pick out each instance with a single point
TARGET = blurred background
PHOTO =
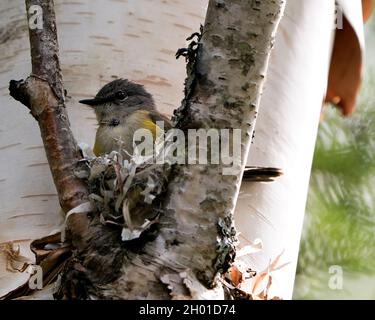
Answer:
(339, 226)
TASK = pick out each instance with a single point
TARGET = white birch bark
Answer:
(98, 39)
(137, 40)
(93, 54)
(286, 133)
(196, 239)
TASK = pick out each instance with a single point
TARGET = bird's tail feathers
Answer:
(261, 174)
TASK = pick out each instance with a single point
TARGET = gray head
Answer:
(120, 96)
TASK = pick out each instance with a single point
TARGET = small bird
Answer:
(122, 107)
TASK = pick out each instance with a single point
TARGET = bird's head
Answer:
(121, 97)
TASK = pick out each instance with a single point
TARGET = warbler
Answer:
(122, 107)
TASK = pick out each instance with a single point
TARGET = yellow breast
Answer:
(113, 138)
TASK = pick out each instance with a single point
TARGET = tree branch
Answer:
(43, 94)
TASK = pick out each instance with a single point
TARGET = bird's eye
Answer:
(121, 95)
(114, 122)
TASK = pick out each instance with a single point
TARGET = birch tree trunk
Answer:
(286, 133)
(213, 95)
(197, 236)
(133, 39)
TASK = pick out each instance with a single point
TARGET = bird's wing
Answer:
(157, 116)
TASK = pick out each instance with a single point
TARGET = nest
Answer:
(124, 190)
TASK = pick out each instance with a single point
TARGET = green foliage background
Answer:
(339, 228)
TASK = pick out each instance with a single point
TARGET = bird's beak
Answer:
(93, 102)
